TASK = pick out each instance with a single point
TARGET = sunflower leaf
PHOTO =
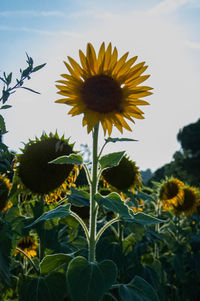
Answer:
(111, 160)
(31, 90)
(60, 211)
(114, 203)
(51, 287)
(90, 280)
(113, 140)
(79, 197)
(138, 289)
(71, 159)
(145, 219)
(2, 125)
(53, 262)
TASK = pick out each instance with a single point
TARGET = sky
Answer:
(163, 33)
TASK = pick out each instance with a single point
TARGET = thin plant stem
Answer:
(29, 259)
(93, 190)
(108, 224)
(81, 222)
(87, 173)
(102, 149)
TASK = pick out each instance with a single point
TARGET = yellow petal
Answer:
(83, 60)
(101, 54)
(108, 56)
(138, 80)
(134, 74)
(76, 66)
(114, 57)
(91, 57)
(72, 71)
(120, 63)
(126, 66)
(75, 111)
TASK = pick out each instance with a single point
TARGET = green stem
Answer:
(93, 190)
(87, 173)
(29, 259)
(108, 224)
(81, 222)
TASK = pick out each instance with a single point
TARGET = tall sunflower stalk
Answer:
(107, 91)
(93, 190)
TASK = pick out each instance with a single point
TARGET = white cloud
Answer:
(168, 6)
(38, 31)
(192, 44)
(32, 13)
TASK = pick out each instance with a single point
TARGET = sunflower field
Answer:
(73, 229)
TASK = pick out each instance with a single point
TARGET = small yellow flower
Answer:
(29, 245)
(104, 88)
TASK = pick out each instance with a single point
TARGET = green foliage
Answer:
(113, 202)
(60, 211)
(89, 280)
(139, 290)
(111, 160)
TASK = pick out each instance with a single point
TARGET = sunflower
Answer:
(104, 88)
(5, 187)
(124, 176)
(33, 167)
(29, 245)
(170, 193)
(189, 202)
(60, 192)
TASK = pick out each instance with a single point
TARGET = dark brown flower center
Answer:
(188, 200)
(102, 94)
(169, 191)
(122, 176)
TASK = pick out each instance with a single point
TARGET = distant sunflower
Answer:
(104, 88)
(29, 245)
(189, 202)
(33, 167)
(5, 187)
(124, 176)
(170, 193)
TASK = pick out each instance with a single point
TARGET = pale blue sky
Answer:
(164, 33)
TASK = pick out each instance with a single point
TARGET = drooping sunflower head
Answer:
(104, 88)
(5, 187)
(170, 192)
(189, 202)
(29, 245)
(123, 176)
(33, 166)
